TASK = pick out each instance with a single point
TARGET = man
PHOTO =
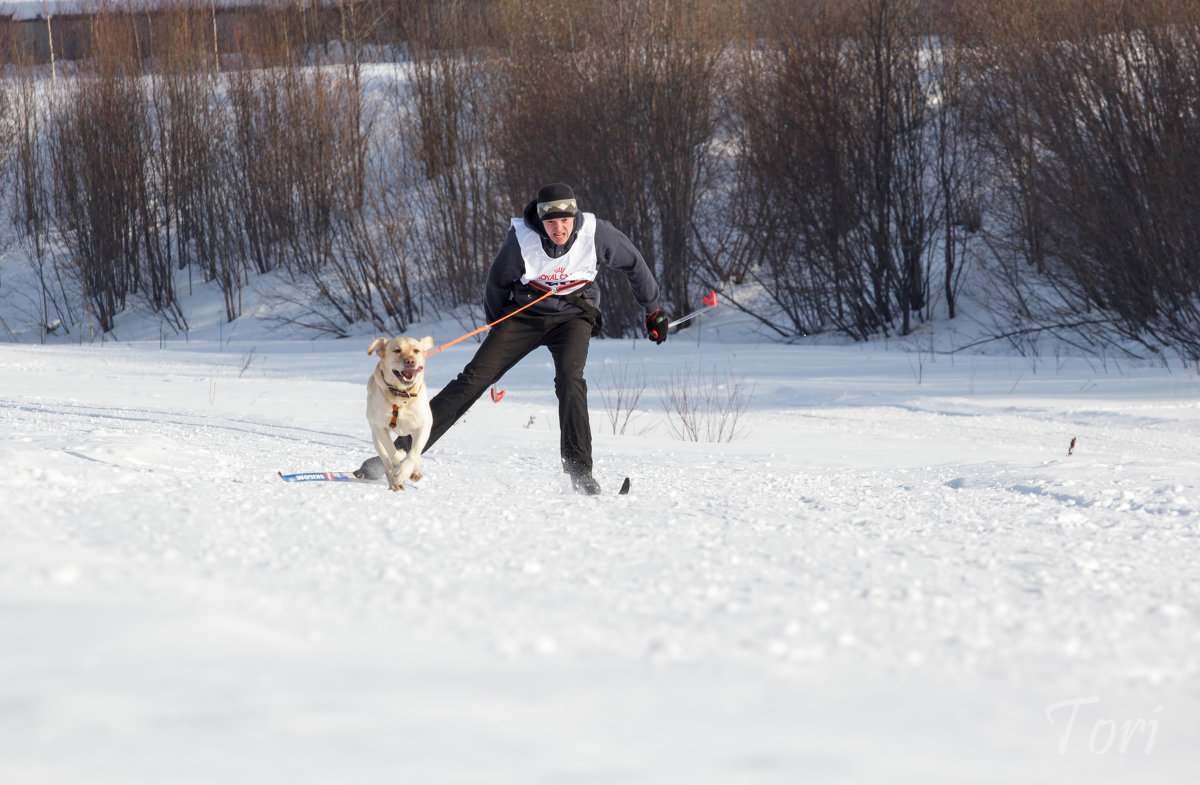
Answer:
(555, 248)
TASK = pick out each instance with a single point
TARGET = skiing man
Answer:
(556, 248)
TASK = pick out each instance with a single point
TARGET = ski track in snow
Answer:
(883, 580)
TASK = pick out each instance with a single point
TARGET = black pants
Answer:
(506, 344)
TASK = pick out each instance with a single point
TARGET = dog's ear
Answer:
(377, 346)
(427, 342)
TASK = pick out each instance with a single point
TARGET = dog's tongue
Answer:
(410, 373)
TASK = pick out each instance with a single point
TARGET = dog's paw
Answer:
(416, 475)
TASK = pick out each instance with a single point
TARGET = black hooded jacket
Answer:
(504, 291)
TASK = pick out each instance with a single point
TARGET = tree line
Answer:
(830, 165)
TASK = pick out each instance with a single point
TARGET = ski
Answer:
(349, 477)
(321, 477)
(331, 477)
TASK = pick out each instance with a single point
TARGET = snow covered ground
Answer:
(39, 9)
(896, 574)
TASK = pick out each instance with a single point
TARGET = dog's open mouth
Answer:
(408, 375)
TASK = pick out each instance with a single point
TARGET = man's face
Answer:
(559, 229)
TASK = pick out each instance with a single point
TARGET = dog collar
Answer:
(396, 391)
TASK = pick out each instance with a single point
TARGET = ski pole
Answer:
(709, 300)
(488, 326)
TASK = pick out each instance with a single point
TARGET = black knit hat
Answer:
(555, 200)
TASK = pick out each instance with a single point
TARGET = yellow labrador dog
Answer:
(397, 401)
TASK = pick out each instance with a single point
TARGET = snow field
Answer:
(896, 575)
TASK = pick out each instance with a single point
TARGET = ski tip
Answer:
(624, 488)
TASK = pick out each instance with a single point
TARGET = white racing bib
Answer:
(574, 270)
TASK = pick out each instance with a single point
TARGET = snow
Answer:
(896, 573)
(25, 10)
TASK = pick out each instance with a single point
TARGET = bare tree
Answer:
(447, 144)
(886, 54)
(621, 390)
(191, 162)
(838, 131)
(680, 50)
(100, 141)
(262, 195)
(799, 195)
(958, 161)
(703, 407)
(28, 100)
(1095, 121)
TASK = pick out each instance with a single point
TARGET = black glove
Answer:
(656, 324)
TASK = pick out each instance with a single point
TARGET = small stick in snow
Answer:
(1071, 449)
